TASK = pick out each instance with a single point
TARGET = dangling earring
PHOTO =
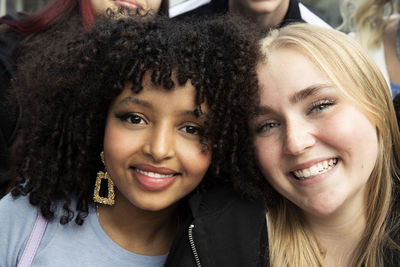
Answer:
(109, 200)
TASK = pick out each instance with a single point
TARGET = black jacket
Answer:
(221, 230)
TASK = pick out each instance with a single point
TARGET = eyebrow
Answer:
(295, 98)
(136, 101)
(307, 92)
(262, 110)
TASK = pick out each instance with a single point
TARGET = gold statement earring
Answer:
(109, 199)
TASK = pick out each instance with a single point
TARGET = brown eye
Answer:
(190, 129)
(131, 118)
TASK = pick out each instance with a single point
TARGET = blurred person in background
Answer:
(376, 25)
(265, 14)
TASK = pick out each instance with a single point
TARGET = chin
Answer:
(154, 206)
(323, 208)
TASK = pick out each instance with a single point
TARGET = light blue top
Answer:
(62, 245)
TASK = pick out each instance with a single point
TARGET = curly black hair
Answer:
(65, 98)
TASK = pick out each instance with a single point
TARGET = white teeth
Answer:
(306, 173)
(325, 164)
(314, 170)
(318, 168)
(154, 174)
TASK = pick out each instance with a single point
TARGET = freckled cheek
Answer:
(349, 132)
(335, 130)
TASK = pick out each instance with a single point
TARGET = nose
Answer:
(160, 143)
(299, 137)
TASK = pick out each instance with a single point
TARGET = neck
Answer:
(339, 234)
(143, 232)
(263, 17)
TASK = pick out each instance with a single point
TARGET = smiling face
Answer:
(99, 6)
(313, 145)
(151, 145)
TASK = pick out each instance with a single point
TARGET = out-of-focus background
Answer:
(326, 9)
(12, 6)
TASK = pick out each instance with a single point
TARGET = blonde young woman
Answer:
(323, 151)
(376, 25)
(327, 141)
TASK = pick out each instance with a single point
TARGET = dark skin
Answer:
(217, 61)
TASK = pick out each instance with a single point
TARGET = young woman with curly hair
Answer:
(23, 37)
(159, 101)
(327, 143)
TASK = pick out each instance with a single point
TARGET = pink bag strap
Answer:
(33, 241)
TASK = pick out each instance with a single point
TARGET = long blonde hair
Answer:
(344, 62)
(368, 18)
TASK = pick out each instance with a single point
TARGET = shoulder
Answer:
(16, 222)
(15, 208)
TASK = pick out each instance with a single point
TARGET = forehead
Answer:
(287, 70)
(154, 96)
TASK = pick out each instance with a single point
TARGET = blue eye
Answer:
(131, 118)
(320, 105)
(266, 127)
(190, 129)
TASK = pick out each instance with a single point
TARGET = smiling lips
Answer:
(154, 179)
(127, 3)
(319, 168)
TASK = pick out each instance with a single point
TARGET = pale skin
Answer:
(303, 121)
(266, 13)
(152, 133)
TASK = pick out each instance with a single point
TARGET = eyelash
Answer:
(316, 107)
(261, 127)
(127, 117)
(196, 130)
(320, 105)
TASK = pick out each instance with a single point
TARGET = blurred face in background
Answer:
(99, 6)
(265, 13)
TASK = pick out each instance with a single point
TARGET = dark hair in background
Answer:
(65, 98)
(60, 11)
(396, 103)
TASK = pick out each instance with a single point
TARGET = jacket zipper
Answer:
(193, 246)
